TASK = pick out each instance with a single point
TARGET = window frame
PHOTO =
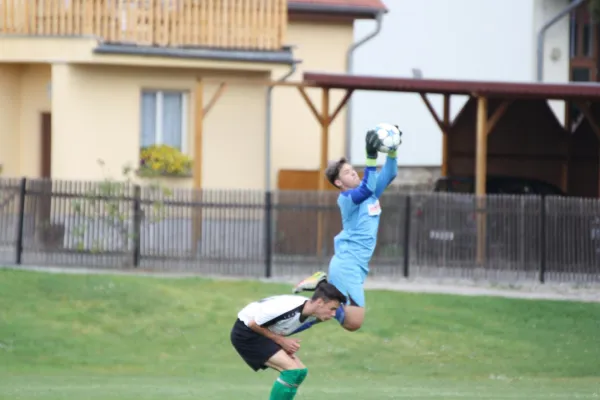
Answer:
(158, 115)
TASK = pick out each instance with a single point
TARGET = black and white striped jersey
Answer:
(280, 314)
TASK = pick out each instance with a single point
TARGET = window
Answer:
(164, 119)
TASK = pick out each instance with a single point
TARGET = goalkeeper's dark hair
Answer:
(333, 170)
(328, 292)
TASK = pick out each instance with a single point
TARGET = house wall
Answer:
(556, 57)
(96, 110)
(9, 118)
(23, 97)
(461, 39)
(35, 99)
(296, 141)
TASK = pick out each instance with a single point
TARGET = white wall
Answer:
(458, 39)
(556, 47)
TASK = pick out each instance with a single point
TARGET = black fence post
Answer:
(137, 221)
(268, 234)
(407, 215)
(543, 241)
(19, 244)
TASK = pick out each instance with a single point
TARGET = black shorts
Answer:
(253, 347)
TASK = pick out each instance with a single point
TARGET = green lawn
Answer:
(136, 338)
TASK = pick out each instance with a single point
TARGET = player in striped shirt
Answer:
(261, 334)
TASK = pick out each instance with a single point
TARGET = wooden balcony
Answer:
(223, 24)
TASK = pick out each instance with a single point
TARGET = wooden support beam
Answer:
(436, 118)
(445, 132)
(216, 96)
(311, 106)
(197, 166)
(341, 105)
(198, 130)
(587, 113)
(201, 111)
(443, 124)
(325, 122)
(500, 111)
(480, 175)
(481, 157)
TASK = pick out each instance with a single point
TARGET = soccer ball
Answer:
(390, 137)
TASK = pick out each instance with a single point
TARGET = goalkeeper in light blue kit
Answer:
(354, 245)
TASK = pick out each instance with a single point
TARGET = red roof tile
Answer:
(559, 91)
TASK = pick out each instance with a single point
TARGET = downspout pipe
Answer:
(269, 127)
(349, 68)
(540, 38)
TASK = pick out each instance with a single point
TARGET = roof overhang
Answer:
(284, 56)
(368, 10)
(576, 91)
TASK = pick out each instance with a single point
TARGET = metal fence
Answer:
(290, 234)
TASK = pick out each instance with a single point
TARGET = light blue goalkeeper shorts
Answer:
(349, 279)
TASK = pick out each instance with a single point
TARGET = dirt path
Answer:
(567, 292)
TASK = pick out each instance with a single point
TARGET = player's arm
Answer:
(387, 174)
(367, 185)
(289, 345)
(369, 182)
(389, 171)
(265, 332)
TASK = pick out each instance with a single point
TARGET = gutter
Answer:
(260, 56)
(540, 40)
(349, 68)
(316, 8)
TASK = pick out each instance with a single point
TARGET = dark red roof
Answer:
(573, 91)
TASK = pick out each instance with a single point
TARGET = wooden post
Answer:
(325, 122)
(197, 168)
(480, 175)
(201, 112)
(445, 132)
(325, 118)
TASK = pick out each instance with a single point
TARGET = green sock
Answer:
(286, 385)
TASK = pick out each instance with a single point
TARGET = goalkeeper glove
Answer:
(372, 143)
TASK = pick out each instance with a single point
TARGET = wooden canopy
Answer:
(501, 94)
(581, 94)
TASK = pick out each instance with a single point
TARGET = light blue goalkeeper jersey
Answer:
(361, 211)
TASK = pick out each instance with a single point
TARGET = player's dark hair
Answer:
(328, 292)
(333, 170)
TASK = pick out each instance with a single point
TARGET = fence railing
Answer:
(240, 24)
(252, 233)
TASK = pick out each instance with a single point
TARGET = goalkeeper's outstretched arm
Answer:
(387, 174)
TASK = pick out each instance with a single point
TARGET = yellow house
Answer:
(83, 80)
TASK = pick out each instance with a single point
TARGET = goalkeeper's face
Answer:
(348, 178)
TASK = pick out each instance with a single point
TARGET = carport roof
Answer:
(576, 91)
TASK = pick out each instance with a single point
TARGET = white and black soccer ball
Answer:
(390, 137)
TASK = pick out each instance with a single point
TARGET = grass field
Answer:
(136, 338)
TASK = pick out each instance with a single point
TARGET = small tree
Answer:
(109, 207)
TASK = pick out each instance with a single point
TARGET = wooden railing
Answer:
(233, 24)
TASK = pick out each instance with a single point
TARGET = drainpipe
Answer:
(268, 124)
(540, 39)
(349, 68)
